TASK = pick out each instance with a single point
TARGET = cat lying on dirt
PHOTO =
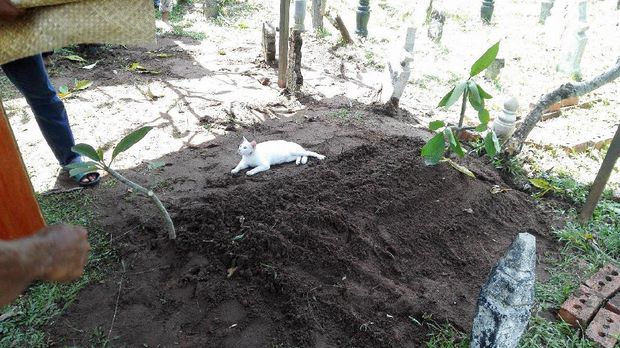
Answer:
(262, 156)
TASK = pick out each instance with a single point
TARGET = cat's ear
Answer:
(253, 143)
(245, 140)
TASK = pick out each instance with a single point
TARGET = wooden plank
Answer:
(601, 178)
(285, 6)
(20, 215)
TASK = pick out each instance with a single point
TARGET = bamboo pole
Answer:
(285, 6)
(601, 178)
(20, 215)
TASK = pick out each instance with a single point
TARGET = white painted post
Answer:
(504, 125)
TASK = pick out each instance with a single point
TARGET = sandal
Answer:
(87, 179)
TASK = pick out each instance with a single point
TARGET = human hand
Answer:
(66, 251)
(8, 12)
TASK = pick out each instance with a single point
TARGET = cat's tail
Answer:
(311, 154)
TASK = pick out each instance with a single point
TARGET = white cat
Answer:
(262, 156)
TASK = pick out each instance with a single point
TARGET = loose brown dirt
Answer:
(355, 251)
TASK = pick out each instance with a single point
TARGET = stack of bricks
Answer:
(596, 307)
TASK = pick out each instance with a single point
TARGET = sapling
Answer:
(98, 163)
(435, 149)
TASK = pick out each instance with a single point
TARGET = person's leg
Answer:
(156, 4)
(166, 7)
(30, 77)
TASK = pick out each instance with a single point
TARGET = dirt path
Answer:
(350, 251)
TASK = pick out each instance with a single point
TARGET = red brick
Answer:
(613, 304)
(579, 309)
(606, 281)
(604, 328)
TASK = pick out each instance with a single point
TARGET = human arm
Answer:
(57, 253)
(8, 12)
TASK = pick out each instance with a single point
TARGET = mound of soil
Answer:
(354, 251)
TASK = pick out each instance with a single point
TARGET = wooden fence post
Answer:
(285, 6)
(20, 215)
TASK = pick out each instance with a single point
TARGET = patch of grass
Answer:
(586, 248)
(445, 336)
(322, 33)
(42, 302)
(230, 10)
(344, 114)
(7, 89)
(543, 333)
(195, 35)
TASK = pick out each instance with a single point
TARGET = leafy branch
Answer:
(98, 163)
(446, 140)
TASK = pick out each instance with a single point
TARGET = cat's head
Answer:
(247, 147)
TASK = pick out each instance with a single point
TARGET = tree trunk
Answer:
(515, 144)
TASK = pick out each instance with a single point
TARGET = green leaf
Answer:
(86, 150)
(456, 94)
(474, 96)
(485, 60)
(445, 98)
(130, 140)
(541, 184)
(100, 153)
(80, 165)
(434, 149)
(491, 144)
(82, 85)
(483, 116)
(435, 125)
(63, 89)
(75, 58)
(482, 127)
(460, 168)
(454, 144)
(483, 93)
(79, 171)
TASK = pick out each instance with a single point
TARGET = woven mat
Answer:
(123, 22)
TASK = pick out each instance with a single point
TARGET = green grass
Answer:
(44, 301)
(590, 246)
(7, 90)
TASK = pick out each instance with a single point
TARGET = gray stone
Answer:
(294, 79)
(493, 70)
(269, 43)
(506, 300)
(435, 27)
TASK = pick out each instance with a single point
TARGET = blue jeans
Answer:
(30, 78)
(156, 3)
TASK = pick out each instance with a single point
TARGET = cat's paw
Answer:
(249, 173)
(321, 157)
(234, 171)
